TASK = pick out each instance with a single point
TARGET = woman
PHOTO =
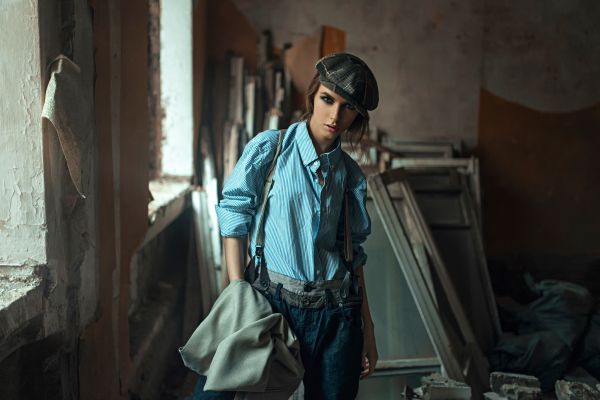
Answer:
(302, 268)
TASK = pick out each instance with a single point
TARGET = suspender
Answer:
(260, 236)
(348, 253)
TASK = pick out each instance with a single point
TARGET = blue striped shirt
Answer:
(304, 226)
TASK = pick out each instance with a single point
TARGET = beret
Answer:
(351, 78)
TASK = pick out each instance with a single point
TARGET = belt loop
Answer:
(329, 299)
(346, 284)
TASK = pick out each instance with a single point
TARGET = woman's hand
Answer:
(370, 355)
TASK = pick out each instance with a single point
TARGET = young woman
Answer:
(303, 268)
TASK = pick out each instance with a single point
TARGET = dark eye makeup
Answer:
(329, 100)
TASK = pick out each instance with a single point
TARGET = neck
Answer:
(321, 146)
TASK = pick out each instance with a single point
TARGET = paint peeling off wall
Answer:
(22, 209)
(544, 54)
(176, 91)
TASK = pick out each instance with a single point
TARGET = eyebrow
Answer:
(327, 92)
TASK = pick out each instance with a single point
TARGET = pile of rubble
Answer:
(504, 386)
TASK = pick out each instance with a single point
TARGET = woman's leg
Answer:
(339, 353)
(330, 345)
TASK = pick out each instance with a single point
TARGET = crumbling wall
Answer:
(543, 54)
(61, 223)
(22, 206)
(538, 130)
(535, 123)
(426, 56)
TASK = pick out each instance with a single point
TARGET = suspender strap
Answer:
(348, 253)
(260, 236)
(349, 280)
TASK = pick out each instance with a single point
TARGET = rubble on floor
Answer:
(506, 386)
(566, 390)
(438, 387)
(513, 387)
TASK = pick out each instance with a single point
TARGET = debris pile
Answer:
(505, 386)
(576, 391)
(438, 387)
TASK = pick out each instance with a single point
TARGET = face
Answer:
(332, 115)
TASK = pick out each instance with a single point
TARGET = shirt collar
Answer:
(308, 152)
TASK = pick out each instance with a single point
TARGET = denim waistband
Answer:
(299, 286)
(307, 294)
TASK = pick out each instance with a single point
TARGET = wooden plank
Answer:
(407, 366)
(483, 269)
(438, 263)
(414, 149)
(203, 245)
(400, 332)
(467, 184)
(433, 362)
(483, 287)
(472, 351)
(457, 349)
(417, 284)
(333, 40)
(421, 150)
(466, 166)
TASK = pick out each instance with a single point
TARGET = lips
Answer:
(331, 128)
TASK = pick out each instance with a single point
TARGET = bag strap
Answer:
(260, 236)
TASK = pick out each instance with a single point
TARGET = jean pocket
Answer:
(355, 315)
(346, 314)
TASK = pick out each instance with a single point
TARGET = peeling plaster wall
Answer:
(538, 128)
(45, 354)
(543, 54)
(22, 210)
(426, 56)
(71, 220)
(431, 58)
(176, 90)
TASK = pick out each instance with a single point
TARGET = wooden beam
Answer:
(408, 233)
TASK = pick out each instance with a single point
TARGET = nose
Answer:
(335, 113)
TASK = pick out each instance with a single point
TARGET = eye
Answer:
(350, 107)
(327, 99)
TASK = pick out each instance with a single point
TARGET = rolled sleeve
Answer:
(242, 190)
(360, 222)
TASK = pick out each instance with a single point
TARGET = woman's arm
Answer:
(234, 249)
(370, 354)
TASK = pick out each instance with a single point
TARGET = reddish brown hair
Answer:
(355, 132)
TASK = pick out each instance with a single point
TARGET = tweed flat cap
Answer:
(351, 78)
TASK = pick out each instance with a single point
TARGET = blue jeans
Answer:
(331, 348)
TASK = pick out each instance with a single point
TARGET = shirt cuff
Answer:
(233, 223)
(359, 259)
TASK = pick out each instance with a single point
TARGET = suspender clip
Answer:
(259, 251)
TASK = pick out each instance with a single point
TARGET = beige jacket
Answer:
(243, 346)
